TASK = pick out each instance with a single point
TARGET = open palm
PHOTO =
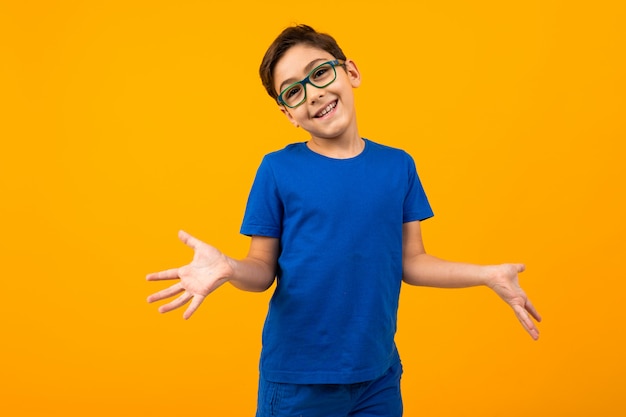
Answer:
(506, 284)
(208, 270)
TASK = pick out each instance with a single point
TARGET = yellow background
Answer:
(124, 121)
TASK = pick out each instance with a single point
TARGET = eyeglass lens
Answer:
(320, 77)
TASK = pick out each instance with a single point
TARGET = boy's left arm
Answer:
(420, 268)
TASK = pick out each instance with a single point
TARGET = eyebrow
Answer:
(307, 69)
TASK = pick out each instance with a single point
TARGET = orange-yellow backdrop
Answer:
(124, 121)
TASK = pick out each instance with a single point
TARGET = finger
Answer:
(193, 306)
(528, 324)
(188, 240)
(532, 310)
(520, 268)
(166, 293)
(163, 275)
(173, 305)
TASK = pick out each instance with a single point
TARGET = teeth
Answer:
(327, 109)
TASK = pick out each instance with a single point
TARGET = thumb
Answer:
(187, 239)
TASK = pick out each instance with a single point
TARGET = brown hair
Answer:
(295, 35)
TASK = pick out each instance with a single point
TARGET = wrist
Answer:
(233, 267)
(489, 275)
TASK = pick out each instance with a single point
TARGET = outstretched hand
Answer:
(208, 270)
(504, 281)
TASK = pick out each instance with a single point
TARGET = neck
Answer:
(338, 148)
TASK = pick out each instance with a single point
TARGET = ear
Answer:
(290, 117)
(353, 73)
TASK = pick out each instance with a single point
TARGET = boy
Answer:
(336, 220)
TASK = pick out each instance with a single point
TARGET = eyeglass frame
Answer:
(307, 80)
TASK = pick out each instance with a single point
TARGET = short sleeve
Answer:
(416, 205)
(264, 210)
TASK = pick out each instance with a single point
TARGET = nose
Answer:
(314, 93)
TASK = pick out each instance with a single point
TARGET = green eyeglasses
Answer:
(320, 77)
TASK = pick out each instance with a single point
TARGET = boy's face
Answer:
(328, 112)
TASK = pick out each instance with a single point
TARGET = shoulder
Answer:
(291, 152)
(288, 151)
(389, 153)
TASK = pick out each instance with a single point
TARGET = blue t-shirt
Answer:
(332, 317)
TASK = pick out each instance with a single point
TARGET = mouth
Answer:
(326, 110)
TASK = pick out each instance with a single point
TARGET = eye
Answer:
(292, 92)
(321, 72)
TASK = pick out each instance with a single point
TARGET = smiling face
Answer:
(328, 112)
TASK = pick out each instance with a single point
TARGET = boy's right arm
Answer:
(210, 268)
(256, 272)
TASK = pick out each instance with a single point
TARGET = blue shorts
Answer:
(380, 397)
